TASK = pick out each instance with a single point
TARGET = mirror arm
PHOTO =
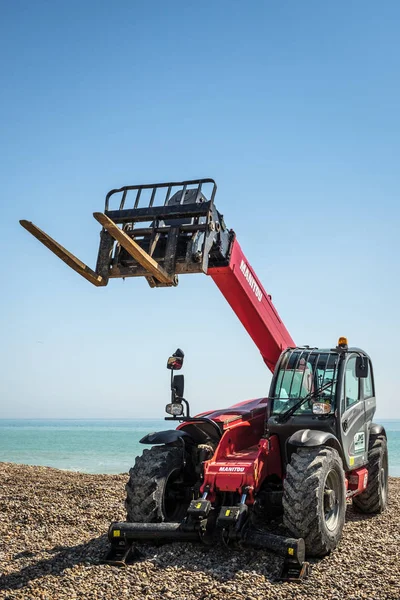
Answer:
(187, 407)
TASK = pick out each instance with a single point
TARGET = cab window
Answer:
(301, 373)
(351, 383)
(368, 385)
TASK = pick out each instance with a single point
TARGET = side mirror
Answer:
(175, 361)
(361, 367)
(178, 385)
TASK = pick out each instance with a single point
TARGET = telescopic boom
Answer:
(252, 305)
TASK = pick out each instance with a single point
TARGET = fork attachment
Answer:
(184, 233)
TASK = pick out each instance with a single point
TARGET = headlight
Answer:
(175, 409)
(321, 408)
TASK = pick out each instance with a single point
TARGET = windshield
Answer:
(301, 373)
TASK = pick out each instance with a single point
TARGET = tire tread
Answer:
(145, 486)
(301, 497)
(370, 501)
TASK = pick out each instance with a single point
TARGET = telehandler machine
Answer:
(274, 472)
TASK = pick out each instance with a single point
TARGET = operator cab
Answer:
(324, 390)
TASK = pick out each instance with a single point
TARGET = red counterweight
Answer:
(252, 305)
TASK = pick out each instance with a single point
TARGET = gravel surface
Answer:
(53, 528)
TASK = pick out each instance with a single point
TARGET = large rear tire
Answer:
(314, 498)
(374, 498)
(156, 490)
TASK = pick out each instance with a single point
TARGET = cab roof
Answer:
(336, 350)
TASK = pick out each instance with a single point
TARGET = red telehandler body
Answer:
(274, 472)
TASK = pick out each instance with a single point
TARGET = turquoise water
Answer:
(103, 446)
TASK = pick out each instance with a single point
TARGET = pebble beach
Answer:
(53, 527)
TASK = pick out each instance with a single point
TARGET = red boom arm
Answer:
(252, 305)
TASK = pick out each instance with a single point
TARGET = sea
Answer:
(104, 446)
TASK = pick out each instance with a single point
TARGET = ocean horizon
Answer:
(107, 446)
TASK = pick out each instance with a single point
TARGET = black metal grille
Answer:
(182, 187)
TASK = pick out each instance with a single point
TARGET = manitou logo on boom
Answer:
(250, 280)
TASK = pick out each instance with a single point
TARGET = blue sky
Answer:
(292, 107)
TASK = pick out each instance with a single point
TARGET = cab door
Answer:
(353, 430)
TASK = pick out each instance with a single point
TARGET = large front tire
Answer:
(374, 498)
(156, 490)
(314, 498)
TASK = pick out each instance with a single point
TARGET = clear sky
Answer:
(293, 107)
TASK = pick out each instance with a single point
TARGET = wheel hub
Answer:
(329, 499)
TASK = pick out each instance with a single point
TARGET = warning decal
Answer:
(359, 442)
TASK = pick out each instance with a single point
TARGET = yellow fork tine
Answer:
(71, 260)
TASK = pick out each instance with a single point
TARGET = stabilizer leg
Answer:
(72, 261)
